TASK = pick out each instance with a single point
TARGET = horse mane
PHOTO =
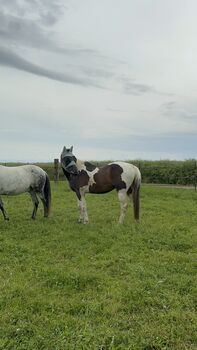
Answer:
(84, 165)
(80, 165)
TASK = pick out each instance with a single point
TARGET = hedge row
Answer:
(169, 172)
(158, 172)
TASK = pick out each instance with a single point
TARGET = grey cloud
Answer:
(133, 88)
(21, 31)
(97, 72)
(173, 110)
(30, 23)
(117, 110)
(10, 59)
(168, 106)
(46, 12)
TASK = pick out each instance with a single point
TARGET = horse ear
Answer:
(71, 149)
(63, 151)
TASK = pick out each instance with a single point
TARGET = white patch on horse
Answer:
(91, 176)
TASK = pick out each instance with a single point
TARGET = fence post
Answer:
(56, 169)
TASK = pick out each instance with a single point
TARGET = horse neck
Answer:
(66, 173)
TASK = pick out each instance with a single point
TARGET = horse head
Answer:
(68, 161)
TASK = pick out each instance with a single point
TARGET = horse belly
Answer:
(100, 188)
(12, 185)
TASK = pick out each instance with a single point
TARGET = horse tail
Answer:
(136, 195)
(47, 196)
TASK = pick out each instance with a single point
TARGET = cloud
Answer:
(167, 107)
(131, 87)
(10, 59)
(31, 24)
(19, 31)
(15, 30)
(46, 12)
(117, 110)
(175, 110)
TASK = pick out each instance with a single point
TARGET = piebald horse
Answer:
(84, 177)
(25, 178)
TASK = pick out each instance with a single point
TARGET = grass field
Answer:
(100, 286)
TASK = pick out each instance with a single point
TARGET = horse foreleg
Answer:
(122, 196)
(83, 210)
(35, 203)
(80, 220)
(5, 214)
(85, 213)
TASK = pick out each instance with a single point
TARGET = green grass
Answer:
(99, 286)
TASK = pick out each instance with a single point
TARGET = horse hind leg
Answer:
(35, 203)
(122, 196)
(44, 202)
(4, 212)
(45, 196)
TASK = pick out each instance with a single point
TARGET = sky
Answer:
(117, 79)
